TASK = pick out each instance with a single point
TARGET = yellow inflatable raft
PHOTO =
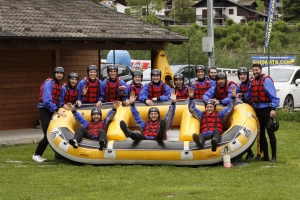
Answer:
(178, 149)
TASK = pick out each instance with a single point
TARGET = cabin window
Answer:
(231, 11)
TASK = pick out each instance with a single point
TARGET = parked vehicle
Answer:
(287, 83)
(188, 71)
(123, 72)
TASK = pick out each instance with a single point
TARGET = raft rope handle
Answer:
(59, 130)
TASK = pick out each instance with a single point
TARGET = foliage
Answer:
(21, 178)
(145, 7)
(291, 10)
(280, 26)
(152, 18)
(283, 115)
(183, 11)
(229, 22)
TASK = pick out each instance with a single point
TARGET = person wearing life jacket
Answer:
(221, 92)
(242, 90)
(211, 121)
(154, 128)
(181, 90)
(136, 84)
(203, 83)
(91, 84)
(49, 97)
(156, 90)
(263, 98)
(113, 87)
(95, 129)
(69, 92)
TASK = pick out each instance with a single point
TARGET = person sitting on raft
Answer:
(211, 120)
(154, 129)
(95, 129)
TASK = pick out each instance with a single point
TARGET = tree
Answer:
(145, 7)
(291, 10)
(183, 11)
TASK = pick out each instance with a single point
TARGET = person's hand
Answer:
(122, 88)
(132, 97)
(149, 102)
(69, 106)
(239, 95)
(61, 113)
(273, 113)
(79, 103)
(191, 92)
(233, 91)
(84, 90)
(217, 102)
(173, 95)
(126, 102)
(116, 104)
(99, 104)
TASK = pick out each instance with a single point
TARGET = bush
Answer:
(229, 22)
(298, 26)
(280, 26)
(284, 115)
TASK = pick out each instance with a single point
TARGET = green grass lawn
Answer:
(22, 178)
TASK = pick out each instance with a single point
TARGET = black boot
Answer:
(124, 128)
(214, 144)
(162, 129)
(101, 145)
(74, 143)
(197, 141)
(250, 155)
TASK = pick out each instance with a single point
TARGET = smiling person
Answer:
(202, 84)
(181, 89)
(49, 97)
(211, 121)
(154, 128)
(263, 97)
(212, 73)
(70, 92)
(95, 129)
(156, 90)
(113, 87)
(89, 87)
(136, 84)
(221, 93)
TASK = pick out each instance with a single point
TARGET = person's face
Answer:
(200, 74)
(178, 83)
(155, 78)
(212, 74)
(153, 116)
(243, 76)
(137, 79)
(221, 82)
(257, 72)
(96, 117)
(73, 81)
(112, 74)
(210, 108)
(59, 76)
(92, 74)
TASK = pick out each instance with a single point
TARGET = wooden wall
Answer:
(21, 73)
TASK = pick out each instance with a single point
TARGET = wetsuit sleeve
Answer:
(143, 96)
(224, 114)
(209, 94)
(194, 111)
(109, 117)
(124, 97)
(136, 115)
(78, 117)
(166, 97)
(80, 87)
(271, 91)
(212, 83)
(47, 96)
(62, 96)
(227, 99)
(170, 115)
(102, 91)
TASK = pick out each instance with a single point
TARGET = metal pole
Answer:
(210, 32)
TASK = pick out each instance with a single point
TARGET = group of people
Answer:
(213, 88)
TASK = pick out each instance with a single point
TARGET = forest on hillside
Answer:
(234, 44)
